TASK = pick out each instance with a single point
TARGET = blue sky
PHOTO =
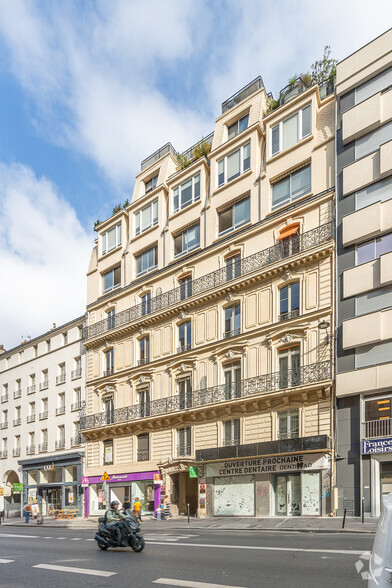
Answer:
(89, 89)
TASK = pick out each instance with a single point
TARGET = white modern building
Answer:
(42, 390)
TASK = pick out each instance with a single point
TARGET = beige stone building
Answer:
(204, 355)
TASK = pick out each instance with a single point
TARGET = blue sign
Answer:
(377, 445)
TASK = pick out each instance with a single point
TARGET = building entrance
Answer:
(288, 495)
(386, 478)
(51, 500)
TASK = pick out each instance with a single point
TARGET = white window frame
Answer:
(149, 269)
(104, 239)
(237, 125)
(138, 216)
(185, 248)
(105, 291)
(291, 198)
(153, 184)
(242, 167)
(300, 134)
(235, 225)
(176, 193)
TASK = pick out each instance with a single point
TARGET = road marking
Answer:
(259, 548)
(47, 537)
(89, 539)
(19, 536)
(188, 584)
(6, 561)
(60, 538)
(166, 537)
(76, 539)
(75, 570)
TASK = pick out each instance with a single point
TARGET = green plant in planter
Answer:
(97, 223)
(272, 104)
(183, 160)
(325, 68)
(201, 150)
(306, 79)
(292, 80)
(116, 208)
(126, 203)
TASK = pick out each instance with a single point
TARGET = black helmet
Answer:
(114, 503)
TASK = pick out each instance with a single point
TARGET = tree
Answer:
(325, 68)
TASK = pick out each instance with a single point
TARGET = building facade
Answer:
(364, 278)
(42, 385)
(208, 378)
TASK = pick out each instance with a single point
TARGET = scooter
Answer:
(107, 537)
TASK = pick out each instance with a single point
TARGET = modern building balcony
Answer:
(299, 244)
(183, 348)
(76, 406)
(108, 372)
(60, 410)
(379, 428)
(17, 422)
(17, 394)
(60, 379)
(76, 373)
(31, 418)
(43, 385)
(60, 444)
(16, 452)
(4, 425)
(286, 316)
(77, 440)
(4, 398)
(309, 375)
(300, 85)
(43, 415)
(157, 155)
(30, 449)
(31, 389)
(4, 454)
(143, 456)
(184, 450)
(242, 94)
(42, 447)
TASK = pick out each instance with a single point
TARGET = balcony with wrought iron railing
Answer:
(4, 398)
(31, 389)
(108, 371)
(229, 442)
(30, 449)
(379, 428)
(288, 435)
(233, 333)
(31, 418)
(76, 373)
(4, 454)
(259, 385)
(43, 415)
(17, 422)
(76, 406)
(17, 394)
(4, 425)
(300, 85)
(242, 94)
(286, 316)
(184, 450)
(253, 263)
(143, 455)
(43, 385)
(16, 452)
(183, 348)
(60, 444)
(60, 379)
(42, 447)
(76, 440)
(60, 410)
(143, 360)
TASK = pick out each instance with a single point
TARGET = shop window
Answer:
(378, 417)
(184, 386)
(108, 411)
(144, 402)
(146, 303)
(184, 336)
(143, 447)
(232, 321)
(231, 432)
(144, 350)
(185, 287)
(289, 366)
(233, 266)
(70, 496)
(232, 378)
(289, 301)
(109, 362)
(108, 452)
(184, 448)
(288, 424)
(289, 240)
(71, 473)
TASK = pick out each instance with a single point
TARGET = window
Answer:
(240, 125)
(372, 141)
(291, 130)
(231, 432)
(184, 386)
(187, 193)
(111, 239)
(373, 301)
(32, 409)
(187, 240)
(60, 404)
(17, 443)
(4, 396)
(289, 240)
(373, 354)
(378, 413)
(232, 377)
(293, 186)
(147, 260)
(184, 442)
(237, 215)
(143, 447)
(234, 164)
(378, 192)
(44, 437)
(17, 419)
(31, 446)
(289, 301)
(184, 337)
(146, 217)
(44, 379)
(112, 279)
(289, 366)
(108, 452)
(232, 321)
(185, 287)
(108, 410)
(4, 419)
(233, 266)
(288, 424)
(144, 401)
(18, 386)
(151, 184)
(146, 303)
(77, 395)
(373, 86)
(109, 362)
(374, 249)
(111, 318)
(144, 350)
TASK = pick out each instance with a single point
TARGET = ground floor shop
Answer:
(376, 467)
(280, 485)
(54, 483)
(99, 491)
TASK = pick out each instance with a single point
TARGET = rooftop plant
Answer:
(202, 149)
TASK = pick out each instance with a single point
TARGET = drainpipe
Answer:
(335, 293)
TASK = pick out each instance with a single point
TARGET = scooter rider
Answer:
(114, 519)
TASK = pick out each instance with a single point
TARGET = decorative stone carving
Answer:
(181, 316)
(183, 368)
(142, 379)
(230, 354)
(229, 297)
(141, 331)
(287, 275)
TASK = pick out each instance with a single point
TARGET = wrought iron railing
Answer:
(77, 440)
(76, 373)
(60, 410)
(43, 415)
(60, 444)
(18, 394)
(76, 405)
(233, 333)
(4, 425)
(380, 428)
(143, 455)
(252, 263)
(3, 454)
(17, 422)
(4, 398)
(30, 389)
(230, 442)
(31, 418)
(301, 84)
(183, 348)
(288, 435)
(42, 447)
(43, 385)
(108, 371)
(16, 452)
(143, 360)
(285, 316)
(30, 449)
(184, 450)
(60, 379)
(309, 374)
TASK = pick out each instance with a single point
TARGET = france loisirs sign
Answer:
(377, 445)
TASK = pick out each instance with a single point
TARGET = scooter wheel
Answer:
(103, 547)
(138, 545)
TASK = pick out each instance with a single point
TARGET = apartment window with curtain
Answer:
(143, 447)
(146, 303)
(232, 379)
(233, 266)
(187, 240)
(291, 187)
(144, 350)
(109, 362)
(291, 130)
(184, 387)
(147, 261)
(289, 240)
(232, 321)
(234, 164)
(234, 216)
(231, 432)
(184, 442)
(289, 301)
(185, 287)
(288, 424)
(144, 401)
(111, 318)
(238, 127)
(111, 239)
(108, 410)
(289, 366)
(146, 218)
(187, 193)
(184, 336)
(151, 184)
(111, 279)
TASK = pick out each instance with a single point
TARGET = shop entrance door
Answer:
(386, 478)
(51, 500)
(288, 495)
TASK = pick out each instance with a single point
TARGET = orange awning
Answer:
(288, 231)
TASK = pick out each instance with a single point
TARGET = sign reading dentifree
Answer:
(274, 465)
(377, 446)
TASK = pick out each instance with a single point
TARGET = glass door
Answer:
(232, 375)
(294, 495)
(281, 496)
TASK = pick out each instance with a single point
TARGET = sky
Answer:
(88, 89)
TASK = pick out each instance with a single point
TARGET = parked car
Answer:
(380, 564)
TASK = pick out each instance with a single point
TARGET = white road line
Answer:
(19, 536)
(60, 538)
(75, 570)
(47, 537)
(89, 539)
(6, 561)
(76, 539)
(189, 584)
(259, 548)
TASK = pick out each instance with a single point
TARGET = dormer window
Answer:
(151, 184)
(234, 164)
(240, 125)
(187, 193)
(111, 239)
(291, 130)
(146, 217)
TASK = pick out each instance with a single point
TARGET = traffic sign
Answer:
(105, 477)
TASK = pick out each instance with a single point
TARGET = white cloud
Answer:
(44, 254)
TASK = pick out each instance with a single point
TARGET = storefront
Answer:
(54, 483)
(280, 485)
(376, 472)
(99, 491)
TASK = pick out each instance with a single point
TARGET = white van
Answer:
(380, 564)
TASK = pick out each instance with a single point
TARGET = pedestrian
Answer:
(126, 504)
(137, 509)
(26, 512)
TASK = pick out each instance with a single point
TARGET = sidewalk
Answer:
(180, 523)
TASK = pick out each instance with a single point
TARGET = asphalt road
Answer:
(35, 556)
